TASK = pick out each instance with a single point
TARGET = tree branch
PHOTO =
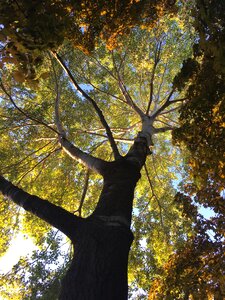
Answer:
(125, 93)
(118, 139)
(105, 68)
(154, 194)
(102, 91)
(156, 61)
(166, 104)
(74, 152)
(57, 100)
(91, 162)
(23, 159)
(25, 113)
(165, 120)
(170, 110)
(94, 104)
(38, 163)
(163, 129)
(128, 98)
(84, 192)
(51, 213)
(161, 82)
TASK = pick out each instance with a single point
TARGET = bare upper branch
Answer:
(156, 61)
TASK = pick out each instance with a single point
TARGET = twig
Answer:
(84, 192)
(38, 163)
(20, 161)
(105, 68)
(102, 91)
(118, 139)
(153, 193)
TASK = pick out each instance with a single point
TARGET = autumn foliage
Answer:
(31, 27)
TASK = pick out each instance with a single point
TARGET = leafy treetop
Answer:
(30, 27)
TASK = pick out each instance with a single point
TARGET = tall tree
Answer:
(102, 240)
(124, 96)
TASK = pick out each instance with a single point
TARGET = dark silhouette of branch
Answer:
(154, 194)
(47, 211)
(163, 129)
(84, 192)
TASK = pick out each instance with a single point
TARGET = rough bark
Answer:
(99, 267)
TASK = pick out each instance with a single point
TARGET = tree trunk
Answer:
(102, 241)
(99, 266)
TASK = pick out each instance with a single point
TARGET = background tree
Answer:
(197, 269)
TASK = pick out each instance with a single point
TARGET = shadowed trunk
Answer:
(99, 267)
(102, 241)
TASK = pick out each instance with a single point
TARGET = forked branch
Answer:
(124, 91)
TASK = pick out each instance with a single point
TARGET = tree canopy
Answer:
(30, 27)
(97, 75)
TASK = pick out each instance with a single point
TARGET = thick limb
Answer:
(91, 162)
(51, 213)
